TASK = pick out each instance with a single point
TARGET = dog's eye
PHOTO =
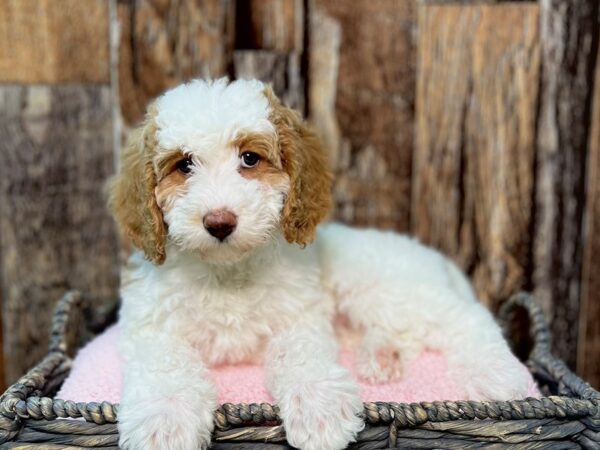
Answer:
(185, 165)
(250, 159)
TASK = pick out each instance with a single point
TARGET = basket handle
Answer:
(58, 334)
(542, 339)
(539, 330)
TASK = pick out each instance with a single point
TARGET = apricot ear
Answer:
(305, 161)
(131, 194)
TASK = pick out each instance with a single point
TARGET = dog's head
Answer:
(218, 168)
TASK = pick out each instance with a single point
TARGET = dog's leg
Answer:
(390, 338)
(168, 401)
(479, 359)
(406, 297)
(318, 400)
(384, 354)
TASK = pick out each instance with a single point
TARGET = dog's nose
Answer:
(220, 223)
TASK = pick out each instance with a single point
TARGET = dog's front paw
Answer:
(164, 426)
(323, 415)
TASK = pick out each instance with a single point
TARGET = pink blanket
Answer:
(96, 376)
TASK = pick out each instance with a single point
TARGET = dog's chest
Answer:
(228, 314)
(231, 323)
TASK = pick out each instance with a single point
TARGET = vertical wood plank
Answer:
(55, 231)
(3, 384)
(569, 37)
(270, 46)
(361, 98)
(163, 44)
(281, 70)
(588, 355)
(54, 41)
(270, 25)
(473, 178)
(324, 61)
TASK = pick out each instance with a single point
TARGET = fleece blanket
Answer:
(96, 376)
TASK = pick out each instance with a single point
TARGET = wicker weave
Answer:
(568, 418)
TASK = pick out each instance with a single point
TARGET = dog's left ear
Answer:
(305, 161)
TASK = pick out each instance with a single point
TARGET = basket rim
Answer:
(22, 400)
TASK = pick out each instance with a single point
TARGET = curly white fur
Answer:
(257, 297)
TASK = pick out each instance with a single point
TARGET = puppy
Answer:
(221, 190)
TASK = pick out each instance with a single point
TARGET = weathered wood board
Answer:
(588, 354)
(361, 84)
(276, 25)
(473, 173)
(55, 231)
(163, 44)
(281, 70)
(54, 41)
(569, 37)
(269, 42)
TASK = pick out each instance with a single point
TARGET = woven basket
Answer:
(567, 418)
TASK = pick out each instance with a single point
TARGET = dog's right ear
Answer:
(131, 196)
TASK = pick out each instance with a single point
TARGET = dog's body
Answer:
(226, 282)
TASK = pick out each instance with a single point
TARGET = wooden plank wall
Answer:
(362, 82)
(588, 354)
(466, 123)
(477, 87)
(56, 150)
(569, 35)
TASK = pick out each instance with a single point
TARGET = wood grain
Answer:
(165, 43)
(270, 25)
(55, 232)
(54, 41)
(588, 355)
(270, 47)
(361, 89)
(281, 70)
(569, 36)
(473, 177)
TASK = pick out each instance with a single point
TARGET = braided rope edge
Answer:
(22, 401)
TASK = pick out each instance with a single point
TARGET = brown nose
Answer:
(220, 223)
